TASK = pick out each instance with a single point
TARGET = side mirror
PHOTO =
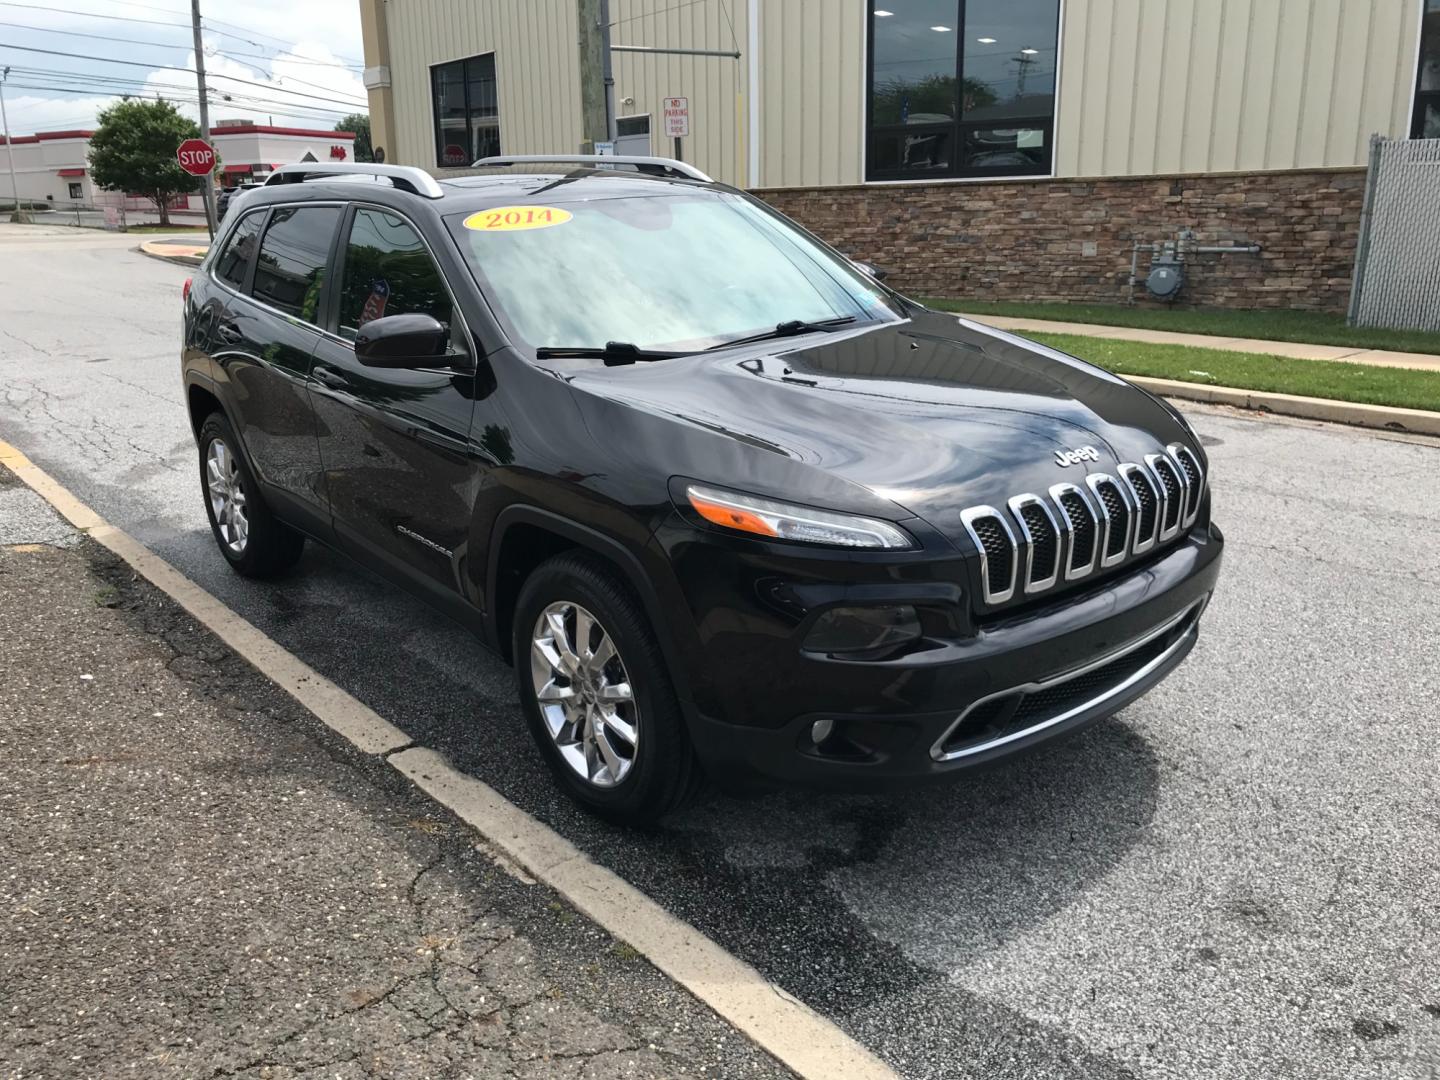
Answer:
(871, 271)
(402, 341)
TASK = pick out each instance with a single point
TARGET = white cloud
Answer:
(289, 48)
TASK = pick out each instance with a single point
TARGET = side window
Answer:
(291, 267)
(231, 265)
(388, 271)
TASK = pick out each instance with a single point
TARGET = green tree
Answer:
(359, 123)
(133, 150)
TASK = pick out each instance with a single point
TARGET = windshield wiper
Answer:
(614, 353)
(787, 329)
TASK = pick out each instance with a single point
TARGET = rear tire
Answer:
(253, 540)
(598, 695)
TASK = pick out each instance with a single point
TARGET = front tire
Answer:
(254, 542)
(597, 693)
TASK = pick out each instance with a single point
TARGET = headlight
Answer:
(765, 517)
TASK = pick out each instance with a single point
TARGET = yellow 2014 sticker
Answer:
(516, 218)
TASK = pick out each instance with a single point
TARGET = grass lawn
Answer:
(1277, 374)
(1306, 326)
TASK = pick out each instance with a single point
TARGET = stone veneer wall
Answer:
(1071, 239)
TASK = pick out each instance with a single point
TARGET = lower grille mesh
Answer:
(1013, 713)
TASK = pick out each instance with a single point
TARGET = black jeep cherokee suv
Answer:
(727, 503)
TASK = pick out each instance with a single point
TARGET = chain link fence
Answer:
(1397, 264)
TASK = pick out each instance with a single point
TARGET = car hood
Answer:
(933, 414)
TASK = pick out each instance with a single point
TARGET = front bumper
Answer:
(1007, 687)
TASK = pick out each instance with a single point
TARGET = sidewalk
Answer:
(200, 880)
(1294, 350)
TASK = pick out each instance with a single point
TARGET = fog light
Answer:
(821, 730)
(864, 632)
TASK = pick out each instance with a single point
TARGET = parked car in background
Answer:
(727, 503)
(227, 198)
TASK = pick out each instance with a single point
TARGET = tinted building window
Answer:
(388, 271)
(234, 261)
(1426, 124)
(291, 266)
(467, 111)
(961, 88)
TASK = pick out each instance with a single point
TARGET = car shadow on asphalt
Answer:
(859, 905)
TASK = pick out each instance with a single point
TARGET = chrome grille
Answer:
(1073, 531)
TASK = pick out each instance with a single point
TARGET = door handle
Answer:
(330, 377)
(228, 332)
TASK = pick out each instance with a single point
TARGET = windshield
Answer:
(676, 270)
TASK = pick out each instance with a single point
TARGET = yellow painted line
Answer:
(809, 1045)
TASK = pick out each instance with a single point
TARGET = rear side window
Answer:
(291, 266)
(230, 267)
(388, 271)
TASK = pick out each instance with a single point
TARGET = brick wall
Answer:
(1071, 239)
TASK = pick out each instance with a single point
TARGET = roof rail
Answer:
(656, 166)
(405, 177)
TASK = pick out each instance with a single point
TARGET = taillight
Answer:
(185, 290)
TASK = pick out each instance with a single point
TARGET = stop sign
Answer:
(196, 156)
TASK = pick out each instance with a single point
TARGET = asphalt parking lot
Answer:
(1237, 877)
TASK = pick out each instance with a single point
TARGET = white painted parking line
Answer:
(790, 1031)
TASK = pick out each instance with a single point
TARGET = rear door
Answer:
(395, 443)
(266, 329)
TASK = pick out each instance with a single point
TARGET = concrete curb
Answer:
(168, 252)
(811, 1046)
(1385, 417)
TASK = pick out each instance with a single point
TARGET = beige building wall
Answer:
(1165, 86)
(715, 85)
(1146, 86)
(536, 70)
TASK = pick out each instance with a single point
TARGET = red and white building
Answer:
(54, 166)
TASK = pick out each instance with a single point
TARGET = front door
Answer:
(394, 443)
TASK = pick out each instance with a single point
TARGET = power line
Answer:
(337, 64)
(160, 22)
(335, 97)
(115, 86)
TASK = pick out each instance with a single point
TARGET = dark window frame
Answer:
(262, 214)
(959, 127)
(1422, 98)
(325, 299)
(470, 110)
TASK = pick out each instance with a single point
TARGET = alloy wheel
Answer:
(584, 694)
(227, 496)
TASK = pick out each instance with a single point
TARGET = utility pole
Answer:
(596, 77)
(17, 216)
(607, 55)
(207, 187)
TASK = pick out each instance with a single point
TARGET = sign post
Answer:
(677, 121)
(197, 157)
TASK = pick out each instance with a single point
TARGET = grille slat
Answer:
(1174, 504)
(1118, 511)
(1044, 542)
(1191, 464)
(1082, 540)
(998, 552)
(1149, 502)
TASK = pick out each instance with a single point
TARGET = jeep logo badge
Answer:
(1065, 458)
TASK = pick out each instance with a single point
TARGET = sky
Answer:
(294, 63)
